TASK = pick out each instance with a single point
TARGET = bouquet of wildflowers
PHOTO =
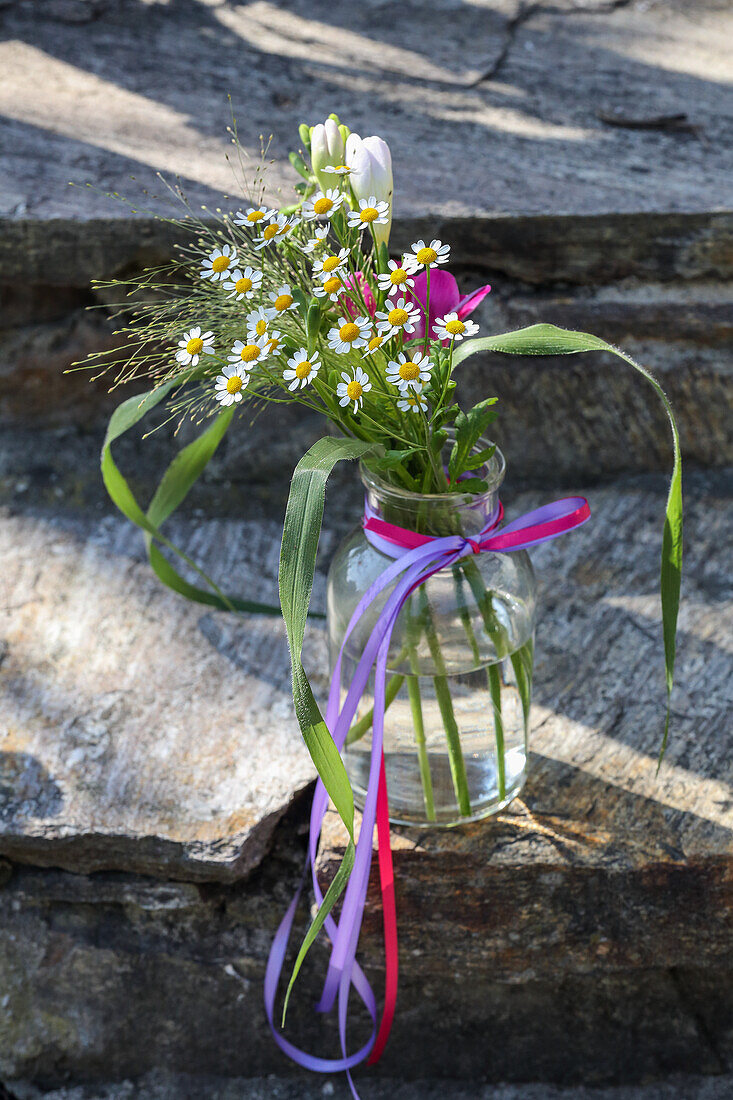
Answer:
(305, 304)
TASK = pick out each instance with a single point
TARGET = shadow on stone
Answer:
(26, 788)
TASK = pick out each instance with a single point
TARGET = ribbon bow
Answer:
(417, 558)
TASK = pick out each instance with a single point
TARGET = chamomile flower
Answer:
(402, 317)
(329, 265)
(412, 401)
(451, 327)
(243, 284)
(323, 204)
(353, 388)
(318, 240)
(282, 300)
(337, 169)
(428, 255)
(349, 334)
(332, 287)
(301, 369)
(273, 341)
(219, 263)
(230, 383)
(274, 231)
(193, 345)
(398, 276)
(254, 350)
(370, 212)
(251, 218)
(258, 322)
(374, 344)
(409, 374)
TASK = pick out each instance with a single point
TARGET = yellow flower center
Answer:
(243, 285)
(250, 352)
(409, 371)
(261, 328)
(455, 328)
(332, 285)
(342, 167)
(413, 401)
(369, 214)
(255, 216)
(349, 332)
(375, 342)
(194, 346)
(330, 263)
(274, 343)
(322, 205)
(303, 369)
(270, 232)
(398, 317)
(283, 302)
(426, 256)
(234, 384)
(398, 276)
(221, 263)
(354, 390)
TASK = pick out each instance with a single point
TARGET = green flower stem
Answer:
(494, 678)
(413, 690)
(365, 722)
(445, 703)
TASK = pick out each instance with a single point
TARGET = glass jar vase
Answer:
(459, 670)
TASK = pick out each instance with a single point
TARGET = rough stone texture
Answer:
(178, 1087)
(585, 936)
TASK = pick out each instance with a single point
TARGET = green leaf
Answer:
(313, 324)
(177, 481)
(469, 485)
(470, 427)
(301, 532)
(301, 301)
(334, 892)
(299, 165)
(390, 459)
(382, 258)
(549, 340)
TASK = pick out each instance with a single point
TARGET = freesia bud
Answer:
(370, 162)
(327, 150)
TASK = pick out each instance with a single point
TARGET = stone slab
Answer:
(583, 936)
(506, 115)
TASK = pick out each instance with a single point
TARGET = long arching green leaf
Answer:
(549, 340)
(177, 481)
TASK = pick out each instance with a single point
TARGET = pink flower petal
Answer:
(468, 304)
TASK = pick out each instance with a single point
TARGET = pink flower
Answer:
(444, 298)
(366, 291)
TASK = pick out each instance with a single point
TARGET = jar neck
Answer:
(437, 514)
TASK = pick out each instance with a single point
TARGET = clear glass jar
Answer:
(460, 661)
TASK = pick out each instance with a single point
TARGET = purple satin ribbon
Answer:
(412, 567)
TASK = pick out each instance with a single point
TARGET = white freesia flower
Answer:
(451, 327)
(218, 263)
(330, 264)
(301, 369)
(251, 218)
(282, 299)
(409, 374)
(322, 205)
(372, 211)
(349, 334)
(193, 345)
(243, 284)
(230, 383)
(353, 387)
(370, 162)
(397, 276)
(401, 317)
(255, 350)
(428, 255)
(412, 401)
(327, 149)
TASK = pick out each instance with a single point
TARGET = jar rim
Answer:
(496, 469)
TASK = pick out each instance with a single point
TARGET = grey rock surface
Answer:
(599, 907)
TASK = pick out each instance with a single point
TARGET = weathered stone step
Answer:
(148, 750)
